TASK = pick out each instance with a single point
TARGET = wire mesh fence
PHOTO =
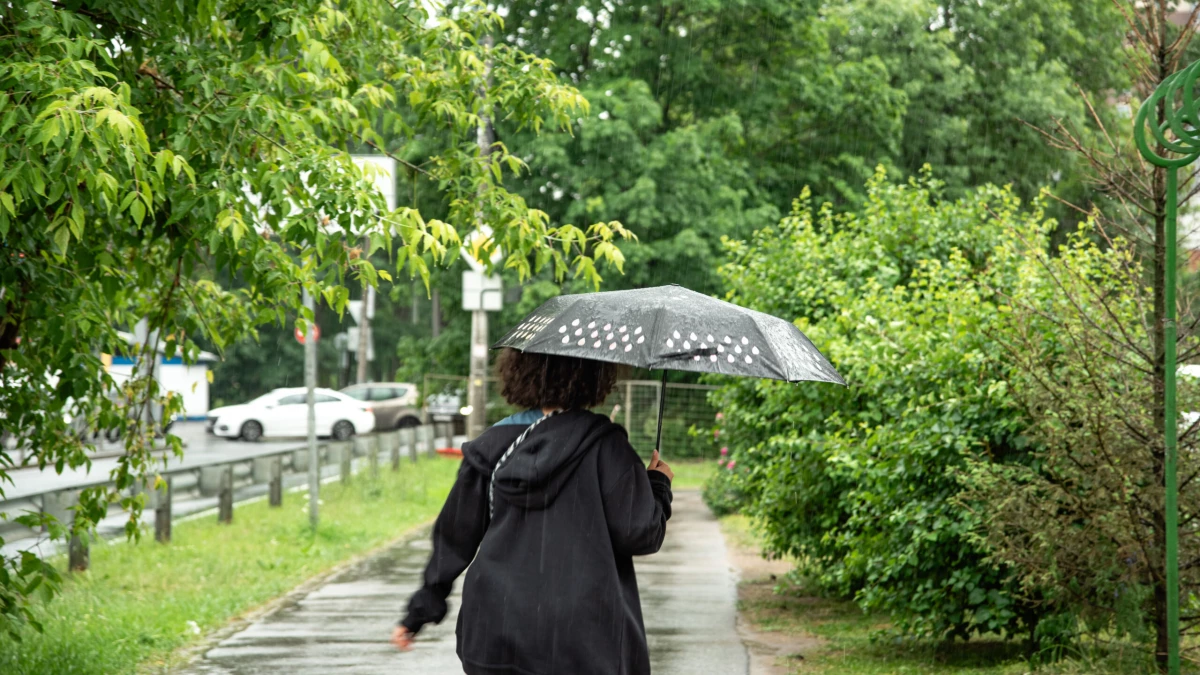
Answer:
(688, 420)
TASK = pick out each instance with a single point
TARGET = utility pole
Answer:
(310, 381)
(477, 382)
(364, 329)
(416, 305)
(435, 313)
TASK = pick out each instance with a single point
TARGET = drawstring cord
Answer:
(506, 455)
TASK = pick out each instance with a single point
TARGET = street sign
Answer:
(300, 333)
(354, 307)
(482, 292)
(352, 343)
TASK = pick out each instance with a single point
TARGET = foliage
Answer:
(725, 491)
(1131, 334)
(710, 117)
(848, 639)
(858, 483)
(1081, 518)
(152, 152)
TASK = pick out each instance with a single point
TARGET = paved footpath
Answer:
(688, 599)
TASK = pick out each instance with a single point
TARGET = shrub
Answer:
(859, 482)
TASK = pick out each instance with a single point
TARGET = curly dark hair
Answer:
(548, 381)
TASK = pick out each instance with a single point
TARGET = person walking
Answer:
(548, 510)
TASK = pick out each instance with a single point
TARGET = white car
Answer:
(284, 412)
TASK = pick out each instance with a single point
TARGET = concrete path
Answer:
(688, 599)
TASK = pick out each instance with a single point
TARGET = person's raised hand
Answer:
(660, 466)
(402, 639)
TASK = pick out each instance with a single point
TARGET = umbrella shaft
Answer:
(662, 405)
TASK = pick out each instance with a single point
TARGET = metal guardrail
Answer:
(225, 478)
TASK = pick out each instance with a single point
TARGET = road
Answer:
(688, 592)
(201, 448)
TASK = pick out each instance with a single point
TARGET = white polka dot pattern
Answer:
(672, 327)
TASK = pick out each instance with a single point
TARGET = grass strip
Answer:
(851, 642)
(143, 601)
(690, 474)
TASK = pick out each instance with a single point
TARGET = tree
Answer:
(1077, 515)
(185, 163)
(1098, 339)
(752, 102)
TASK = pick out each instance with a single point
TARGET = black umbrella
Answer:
(671, 327)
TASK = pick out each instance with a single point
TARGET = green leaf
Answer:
(62, 238)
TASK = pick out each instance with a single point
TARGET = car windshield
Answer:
(360, 394)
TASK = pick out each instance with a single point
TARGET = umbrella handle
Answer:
(662, 404)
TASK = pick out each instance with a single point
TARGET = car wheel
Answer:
(342, 430)
(113, 435)
(407, 422)
(251, 431)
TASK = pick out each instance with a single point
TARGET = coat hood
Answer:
(536, 471)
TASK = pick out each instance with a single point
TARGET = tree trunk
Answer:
(1162, 63)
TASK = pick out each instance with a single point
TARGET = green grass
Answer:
(854, 644)
(690, 474)
(137, 605)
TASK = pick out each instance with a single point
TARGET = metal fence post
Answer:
(225, 497)
(628, 406)
(345, 460)
(162, 512)
(411, 433)
(394, 449)
(78, 557)
(373, 456)
(275, 489)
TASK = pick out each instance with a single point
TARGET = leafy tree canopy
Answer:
(184, 162)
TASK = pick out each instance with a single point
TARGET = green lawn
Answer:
(690, 474)
(853, 643)
(141, 602)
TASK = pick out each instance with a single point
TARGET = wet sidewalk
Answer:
(688, 600)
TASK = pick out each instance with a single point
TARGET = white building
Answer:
(189, 381)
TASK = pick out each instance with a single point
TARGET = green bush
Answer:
(725, 492)
(859, 482)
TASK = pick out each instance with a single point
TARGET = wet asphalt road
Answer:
(688, 599)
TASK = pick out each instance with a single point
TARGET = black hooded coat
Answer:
(551, 587)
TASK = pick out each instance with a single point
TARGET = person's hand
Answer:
(660, 466)
(402, 639)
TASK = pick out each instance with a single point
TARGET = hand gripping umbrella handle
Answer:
(662, 404)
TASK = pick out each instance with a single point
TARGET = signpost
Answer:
(482, 293)
(1175, 134)
(310, 382)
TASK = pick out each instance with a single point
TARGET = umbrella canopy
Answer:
(671, 328)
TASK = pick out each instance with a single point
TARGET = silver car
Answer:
(394, 403)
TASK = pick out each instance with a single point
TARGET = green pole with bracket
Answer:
(1177, 144)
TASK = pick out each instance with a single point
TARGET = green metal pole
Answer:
(1173, 143)
(1171, 431)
